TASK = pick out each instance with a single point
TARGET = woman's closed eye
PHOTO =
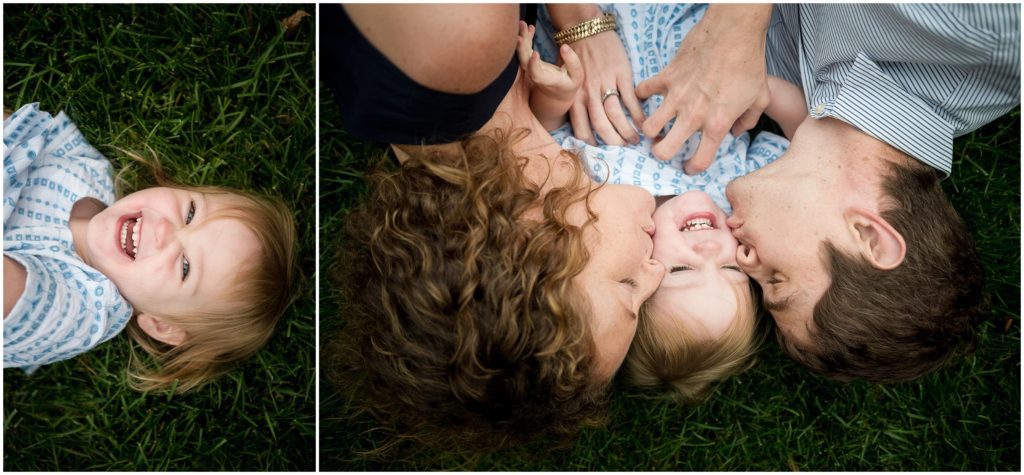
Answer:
(629, 280)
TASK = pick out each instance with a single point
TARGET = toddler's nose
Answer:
(163, 232)
(708, 248)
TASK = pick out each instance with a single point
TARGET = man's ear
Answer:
(160, 329)
(876, 240)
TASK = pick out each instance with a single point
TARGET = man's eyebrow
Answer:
(777, 305)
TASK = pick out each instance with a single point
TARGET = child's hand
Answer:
(556, 82)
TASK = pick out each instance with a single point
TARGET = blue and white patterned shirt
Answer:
(651, 34)
(67, 307)
(912, 75)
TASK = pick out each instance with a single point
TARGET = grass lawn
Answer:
(223, 97)
(777, 416)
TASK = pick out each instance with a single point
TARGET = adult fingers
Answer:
(654, 124)
(750, 117)
(710, 138)
(613, 109)
(697, 163)
(599, 121)
(631, 102)
(580, 121)
(746, 121)
(651, 86)
(667, 147)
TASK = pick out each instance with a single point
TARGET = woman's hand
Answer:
(716, 81)
(607, 67)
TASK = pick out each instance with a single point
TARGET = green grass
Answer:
(224, 98)
(777, 416)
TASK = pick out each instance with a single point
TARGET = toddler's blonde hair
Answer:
(220, 337)
(665, 353)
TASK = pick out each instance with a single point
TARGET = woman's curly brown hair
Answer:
(463, 328)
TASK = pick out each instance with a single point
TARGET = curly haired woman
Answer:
(493, 289)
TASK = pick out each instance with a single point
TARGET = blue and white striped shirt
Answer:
(911, 75)
(67, 307)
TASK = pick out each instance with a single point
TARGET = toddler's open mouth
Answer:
(698, 222)
(130, 229)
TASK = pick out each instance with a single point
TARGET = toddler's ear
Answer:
(160, 329)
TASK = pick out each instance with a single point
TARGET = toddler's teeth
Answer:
(135, 234)
(124, 236)
(697, 224)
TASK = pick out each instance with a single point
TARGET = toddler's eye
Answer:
(735, 268)
(680, 268)
(184, 268)
(191, 212)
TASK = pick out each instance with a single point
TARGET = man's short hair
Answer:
(896, 325)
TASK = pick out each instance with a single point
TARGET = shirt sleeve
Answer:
(63, 312)
(914, 76)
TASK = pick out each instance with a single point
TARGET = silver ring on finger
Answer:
(609, 93)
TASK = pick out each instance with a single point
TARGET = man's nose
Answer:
(733, 222)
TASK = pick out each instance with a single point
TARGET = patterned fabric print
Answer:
(912, 75)
(67, 307)
(651, 34)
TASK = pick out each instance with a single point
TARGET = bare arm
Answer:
(450, 48)
(14, 283)
(787, 106)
